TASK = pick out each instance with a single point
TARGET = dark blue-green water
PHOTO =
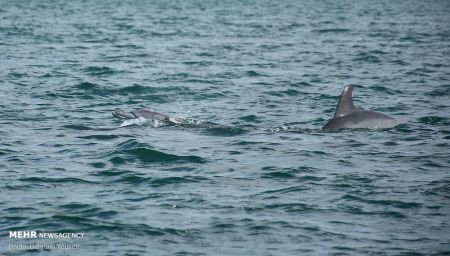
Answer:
(266, 182)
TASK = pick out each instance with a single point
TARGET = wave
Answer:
(441, 91)
(224, 131)
(434, 120)
(55, 180)
(366, 57)
(386, 203)
(145, 153)
(332, 30)
(77, 127)
(99, 71)
(90, 91)
(150, 155)
(384, 89)
(103, 136)
(252, 73)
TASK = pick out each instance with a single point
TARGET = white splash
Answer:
(141, 121)
(137, 121)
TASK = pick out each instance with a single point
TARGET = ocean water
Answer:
(265, 181)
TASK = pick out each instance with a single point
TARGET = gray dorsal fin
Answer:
(345, 105)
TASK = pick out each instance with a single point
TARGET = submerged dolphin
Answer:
(347, 116)
(147, 114)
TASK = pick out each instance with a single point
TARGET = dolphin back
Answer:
(362, 119)
(145, 113)
(348, 116)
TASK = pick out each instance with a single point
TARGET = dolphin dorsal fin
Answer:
(345, 105)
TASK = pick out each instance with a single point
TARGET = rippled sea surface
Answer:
(267, 180)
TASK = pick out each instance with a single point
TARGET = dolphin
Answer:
(348, 116)
(147, 114)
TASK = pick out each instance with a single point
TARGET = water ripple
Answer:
(251, 172)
